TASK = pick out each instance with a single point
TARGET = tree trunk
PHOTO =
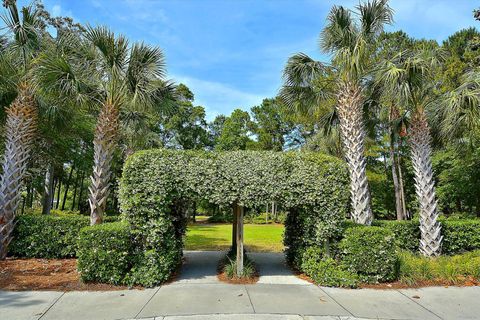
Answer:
(431, 238)
(58, 191)
(396, 183)
(239, 262)
(349, 107)
(75, 187)
(400, 179)
(20, 128)
(104, 146)
(80, 195)
(67, 186)
(48, 190)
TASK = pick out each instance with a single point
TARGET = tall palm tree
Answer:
(128, 76)
(21, 114)
(351, 42)
(408, 77)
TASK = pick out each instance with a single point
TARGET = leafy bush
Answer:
(370, 252)
(460, 235)
(415, 268)
(325, 271)
(407, 232)
(47, 236)
(157, 184)
(105, 252)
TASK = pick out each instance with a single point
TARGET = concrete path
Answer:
(197, 294)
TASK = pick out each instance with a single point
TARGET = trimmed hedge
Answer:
(158, 185)
(459, 235)
(47, 236)
(326, 271)
(105, 252)
(370, 252)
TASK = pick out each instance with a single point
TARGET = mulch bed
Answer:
(46, 274)
(222, 275)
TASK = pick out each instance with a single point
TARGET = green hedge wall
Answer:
(48, 236)
(370, 252)
(459, 235)
(105, 253)
(158, 185)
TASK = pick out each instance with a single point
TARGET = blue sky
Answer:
(231, 52)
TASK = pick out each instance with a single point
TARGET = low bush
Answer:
(229, 266)
(370, 252)
(47, 236)
(105, 252)
(459, 235)
(415, 269)
(326, 271)
(407, 232)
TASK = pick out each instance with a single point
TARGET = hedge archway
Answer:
(158, 184)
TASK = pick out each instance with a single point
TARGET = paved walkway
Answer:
(197, 294)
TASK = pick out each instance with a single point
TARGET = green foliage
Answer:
(370, 252)
(326, 271)
(460, 235)
(230, 266)
(47, 236)
(407, 232)
(105, 252)
(157, 185)
(415, 268)
(235, 132)
(382, 194)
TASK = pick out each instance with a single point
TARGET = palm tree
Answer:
(127, 77)
(351, 42)
(21, 114)
(408, 77)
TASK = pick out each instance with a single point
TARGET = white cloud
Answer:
(56, 10)
(218, 98)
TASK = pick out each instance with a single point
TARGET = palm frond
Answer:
(374, 15)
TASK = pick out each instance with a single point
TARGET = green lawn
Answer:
(258, 237)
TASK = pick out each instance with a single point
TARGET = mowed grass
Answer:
(258, 237)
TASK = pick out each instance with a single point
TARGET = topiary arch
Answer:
(157, 186)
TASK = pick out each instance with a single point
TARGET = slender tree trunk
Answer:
(81, 192)
(20, 131)
(239, 211)
(48, 190)
(431, 238)
(67, 186)
(396, 183)
(75, 187)
(104, 146)
(350, 113)
(400, 178)
(58, 192)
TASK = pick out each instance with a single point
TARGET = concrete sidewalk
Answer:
(197, 294)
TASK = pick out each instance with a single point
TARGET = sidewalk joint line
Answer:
(250, 299)
(336, 301)
(148, 301)
(48, 309)
(436, 315)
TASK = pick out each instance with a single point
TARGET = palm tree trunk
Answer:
(48, 190)
(431, 238)
(349, 106)
(20, 130)
(104, 146)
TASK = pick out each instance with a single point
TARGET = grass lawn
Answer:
(258, 237)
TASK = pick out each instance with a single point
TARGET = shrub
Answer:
(47, 236)
(157, 184)
(460, 235)
(105, 252)
(325, 271)
(370, 252)
(407, 232)
(415, 268)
